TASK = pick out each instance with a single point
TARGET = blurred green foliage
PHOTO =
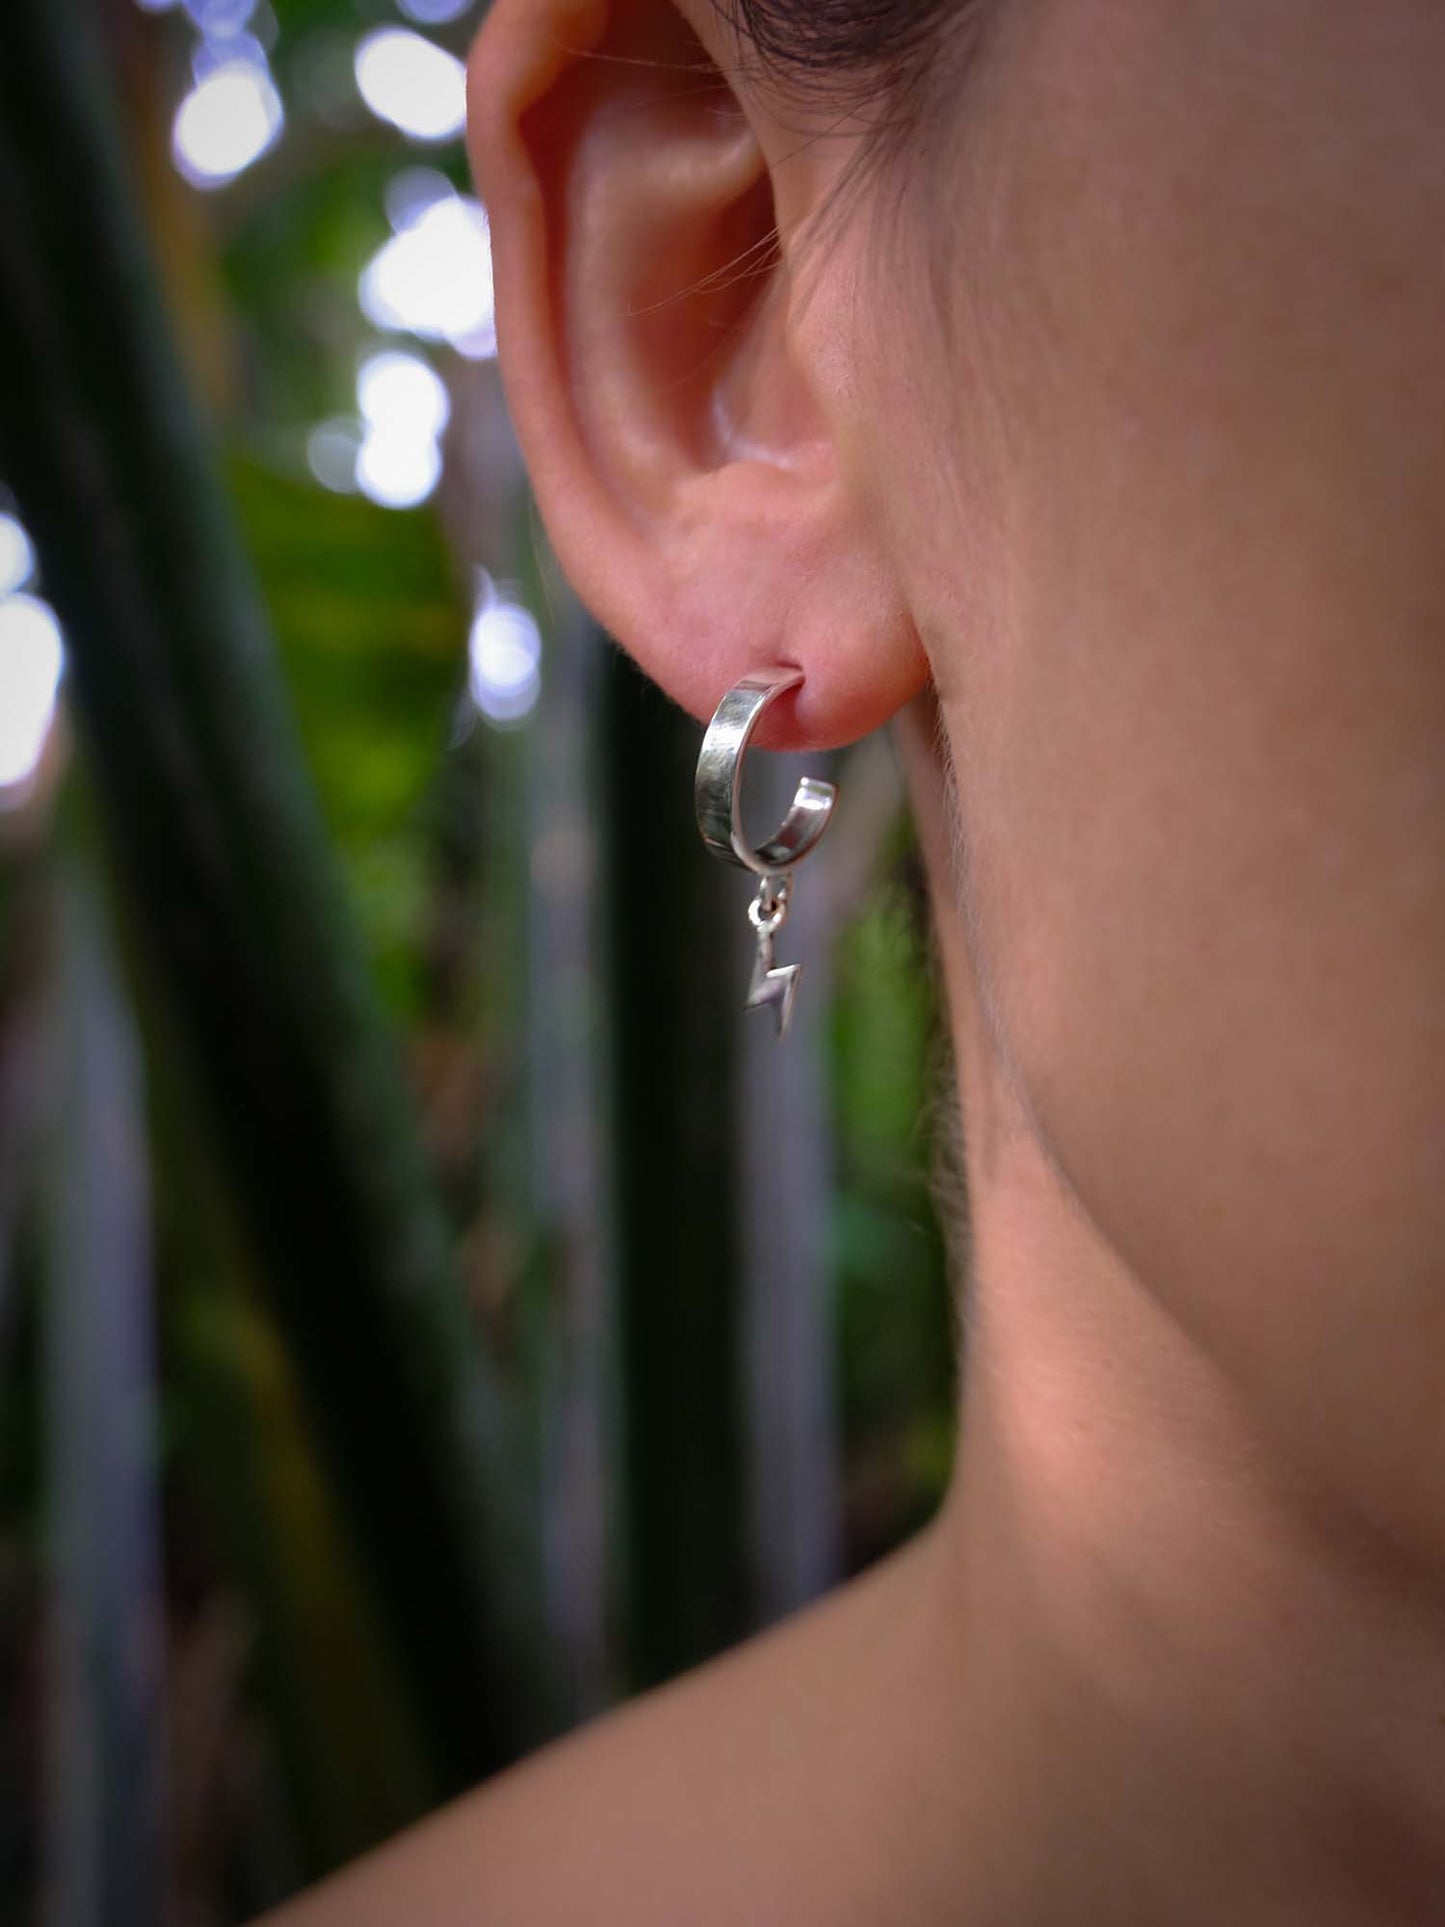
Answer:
(894, 1296)
(429, 812)
(370, 627)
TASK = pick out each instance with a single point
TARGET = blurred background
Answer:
(429, 1311)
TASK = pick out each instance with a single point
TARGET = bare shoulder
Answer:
(733, 1794)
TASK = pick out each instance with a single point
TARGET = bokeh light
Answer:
(210, 55)
(504, 656)
(17, 557)
(227, 121)
(391, 449)
(399, 393)
(218, 19)
(411, 82)
(331, 451)
(404, 408)
(398, 471)
(434, 13)
(409, 193)
(433, 278)
(32, 656)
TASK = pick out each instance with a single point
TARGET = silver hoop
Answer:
(719, 782)
(774, 986)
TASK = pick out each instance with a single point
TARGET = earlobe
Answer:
(688, 472)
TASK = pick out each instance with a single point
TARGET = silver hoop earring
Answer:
(719, 818)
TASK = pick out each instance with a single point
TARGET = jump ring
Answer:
(768, 910)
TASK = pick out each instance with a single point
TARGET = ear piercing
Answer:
(719, 818)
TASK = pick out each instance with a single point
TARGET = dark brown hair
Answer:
(883, 56)
(847, 36)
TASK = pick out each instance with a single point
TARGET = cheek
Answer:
(1197, 699)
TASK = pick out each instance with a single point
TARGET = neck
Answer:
(1187, 1686)
(1190, 1687)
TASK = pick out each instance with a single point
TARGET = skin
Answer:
(1103, 437)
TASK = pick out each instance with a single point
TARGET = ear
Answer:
(686, 433)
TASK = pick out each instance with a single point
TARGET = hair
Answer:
(893, 67)
(873, 56)
(848, 36)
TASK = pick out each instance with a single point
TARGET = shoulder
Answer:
(737, 1793)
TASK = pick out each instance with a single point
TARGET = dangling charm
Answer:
(775, 984)
(719, 818)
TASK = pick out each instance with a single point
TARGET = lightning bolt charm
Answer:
(775, 985)
(772, 984)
